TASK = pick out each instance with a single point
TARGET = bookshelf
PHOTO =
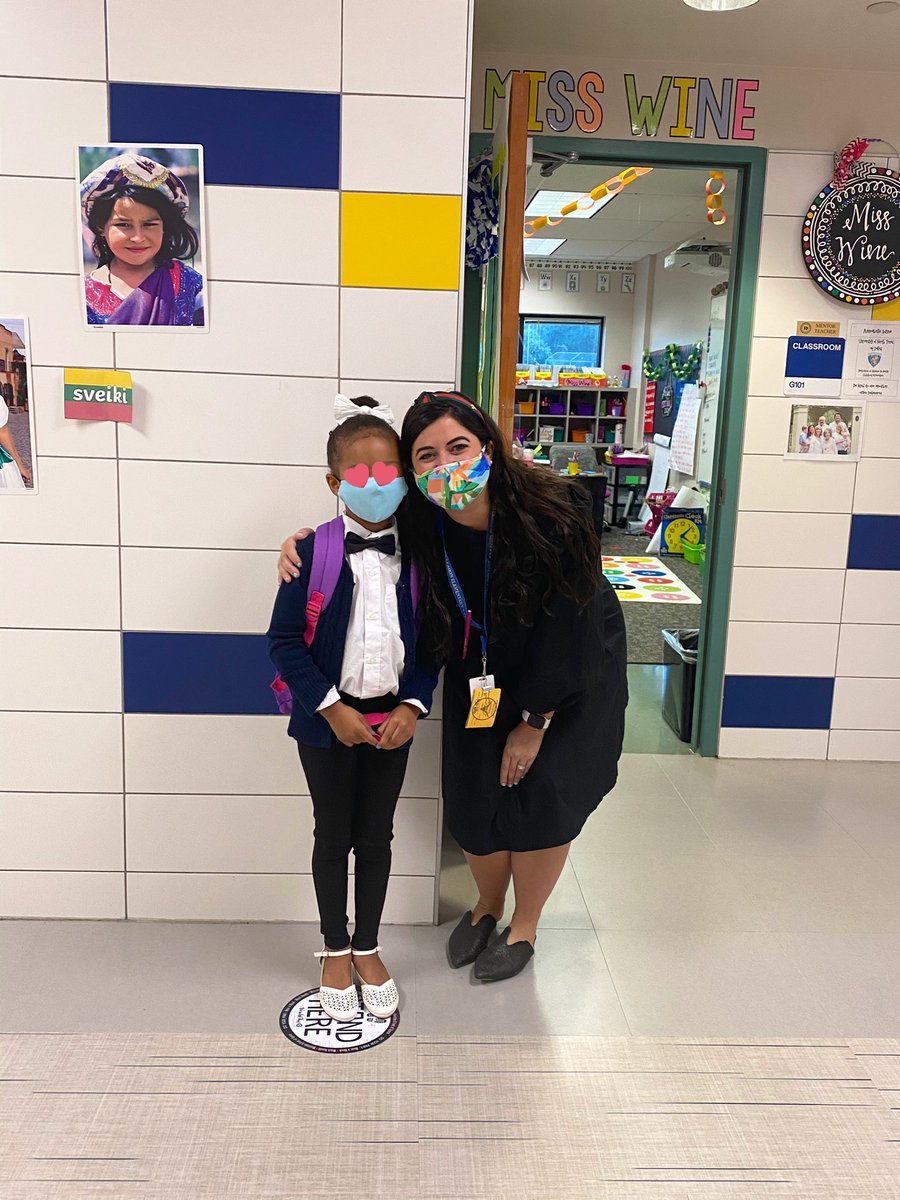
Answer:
(577, 415)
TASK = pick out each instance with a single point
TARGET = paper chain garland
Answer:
(670, 362)
(715, 186)
(589, 199)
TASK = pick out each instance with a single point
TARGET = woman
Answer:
(136, 210)
(14, 475)
(805, 436)
(829, 445)
(815, 440)
(512, 590)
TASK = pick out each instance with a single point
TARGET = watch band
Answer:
(535, 720)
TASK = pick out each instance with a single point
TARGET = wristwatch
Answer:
(536, 720)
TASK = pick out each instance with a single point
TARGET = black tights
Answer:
(354, 793)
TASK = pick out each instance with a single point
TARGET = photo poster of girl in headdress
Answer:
(18, 472)
(141, 233)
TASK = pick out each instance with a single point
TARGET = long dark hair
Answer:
(180, 240)
(543, 543)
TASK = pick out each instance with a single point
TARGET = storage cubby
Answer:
(577, 415)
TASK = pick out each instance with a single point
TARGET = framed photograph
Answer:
(142, 237)
(18, 461)
(628, 282)
(545, 281)
(826, 431)
(573, 281)
(602, 281)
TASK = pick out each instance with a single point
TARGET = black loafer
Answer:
(502, 961)
(467, 941)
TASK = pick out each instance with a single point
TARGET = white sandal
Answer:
(381, 999)
(341, 1004)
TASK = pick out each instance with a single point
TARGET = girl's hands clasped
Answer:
(348, 726)
(399, 727)
(521, 750)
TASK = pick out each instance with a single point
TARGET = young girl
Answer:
(357, 692)
(136, 210)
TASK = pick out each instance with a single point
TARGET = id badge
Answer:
(484, 683)
(484, 706)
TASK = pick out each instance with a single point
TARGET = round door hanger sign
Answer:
(305, 1022)
(851, 238)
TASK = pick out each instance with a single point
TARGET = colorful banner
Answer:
(98, 395)
(649, 407)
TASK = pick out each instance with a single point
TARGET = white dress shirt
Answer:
(373, 652)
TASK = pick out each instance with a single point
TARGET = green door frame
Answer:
(750, 161)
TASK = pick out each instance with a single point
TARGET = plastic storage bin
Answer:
(584, 408)
(680, 657)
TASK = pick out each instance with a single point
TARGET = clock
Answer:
(681, 527)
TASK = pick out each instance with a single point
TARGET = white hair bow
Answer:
(344, 409)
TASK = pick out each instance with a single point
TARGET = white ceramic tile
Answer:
(400, 396)
(792, 179)
(881, 431)
(877, 486)
(218, 504)
(198, 591)
(41, 122)
(192, 897)
(266, 834)
(61, 670)
(872, 597)
(777, 484)
(866, 704)
(53, 515)
(767, 359)
(45, 40)
(61, 831)
(794, 540)
(57, 436)
(779, 252)
(254, 329)
(870, 651)
(273, 235)
(786, 594)
(774, 648)
(405, 49)
(41, 210)
(54, 305)
(780, 303)
(61, 895)
(296, 46)
(61, 752)
(226, 755)
(392, 333)
(69, 587)
(766, 424)
(859, 745)
(773, 743)
(377, 133)
(193, 417)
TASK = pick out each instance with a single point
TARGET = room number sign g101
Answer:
(851, 238)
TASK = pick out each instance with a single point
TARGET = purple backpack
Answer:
(327, 560)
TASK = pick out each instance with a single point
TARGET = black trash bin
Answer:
(680, 656)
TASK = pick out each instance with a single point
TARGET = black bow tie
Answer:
(387, 543)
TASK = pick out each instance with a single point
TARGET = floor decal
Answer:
(304, 1021)
(646, 579)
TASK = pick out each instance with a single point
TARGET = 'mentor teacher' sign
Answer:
(851, 238)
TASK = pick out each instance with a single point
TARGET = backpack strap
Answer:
(327, 560)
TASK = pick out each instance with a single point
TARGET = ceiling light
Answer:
(547, 203)
(719, 5)
(541, 247)
(882, 6)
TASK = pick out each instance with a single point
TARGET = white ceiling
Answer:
(838, 34)
(654, 214)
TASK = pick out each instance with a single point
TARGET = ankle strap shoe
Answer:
(380, 999)
(341, 1004)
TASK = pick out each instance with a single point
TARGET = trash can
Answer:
(680, 657)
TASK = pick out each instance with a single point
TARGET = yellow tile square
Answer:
(389, 240)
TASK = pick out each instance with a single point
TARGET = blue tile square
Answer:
(874, 543)
(777, 702)
(250, 138)
(209, 673)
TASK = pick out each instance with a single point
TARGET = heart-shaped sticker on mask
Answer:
(385, 473)
(357, 476)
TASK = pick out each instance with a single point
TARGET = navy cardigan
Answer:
(311, 673)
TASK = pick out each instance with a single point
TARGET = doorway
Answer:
(642, 286)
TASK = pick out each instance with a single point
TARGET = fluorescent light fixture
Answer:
(547, 203)
(541, 247)
(719, 5)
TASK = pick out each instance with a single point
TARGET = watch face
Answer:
(681, 527)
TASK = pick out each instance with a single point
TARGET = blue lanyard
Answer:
(459, 596)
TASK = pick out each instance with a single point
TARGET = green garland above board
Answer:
(669, 362)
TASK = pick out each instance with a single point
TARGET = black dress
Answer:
(558, 659)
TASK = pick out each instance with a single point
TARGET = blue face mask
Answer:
(376, 501)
